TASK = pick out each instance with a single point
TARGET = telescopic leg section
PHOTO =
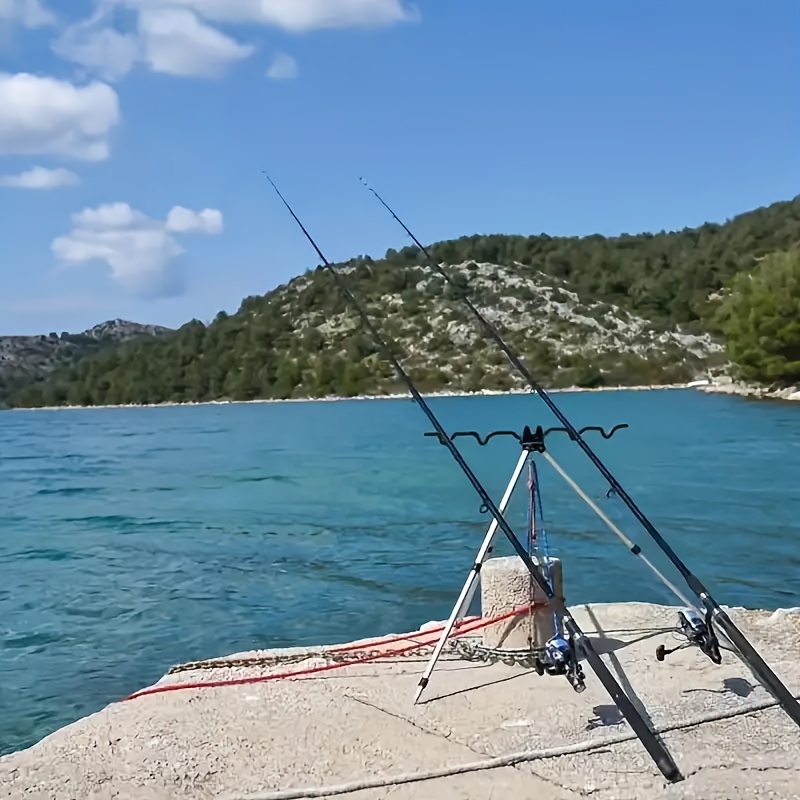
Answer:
(468, 590)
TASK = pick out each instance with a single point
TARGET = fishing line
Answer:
(541, 531)
(634, 548)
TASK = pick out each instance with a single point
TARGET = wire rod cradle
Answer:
(577, 639)
(715, 614)
(484, 440)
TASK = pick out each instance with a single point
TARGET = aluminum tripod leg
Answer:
(468, 590)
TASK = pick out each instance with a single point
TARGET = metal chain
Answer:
(275, 660)
(469, 651)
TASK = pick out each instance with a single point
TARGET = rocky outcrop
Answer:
(727, 385)
(25, 358)
(121, 330)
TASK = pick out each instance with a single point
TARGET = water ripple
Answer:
(133, 539)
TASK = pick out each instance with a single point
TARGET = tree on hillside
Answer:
(304, 339)
(760, 317)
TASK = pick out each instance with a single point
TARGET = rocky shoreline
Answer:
(727, 385)
(715, 385)
(390, 396)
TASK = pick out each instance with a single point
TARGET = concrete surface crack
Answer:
(440, 734)
(705, 767)
(768, 768)
(448, 737)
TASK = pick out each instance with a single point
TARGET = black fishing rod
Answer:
(565, 655)
(699, 632)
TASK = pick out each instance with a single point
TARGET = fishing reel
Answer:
(699, 633)
(560, 659)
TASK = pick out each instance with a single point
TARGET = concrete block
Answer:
(506, 584)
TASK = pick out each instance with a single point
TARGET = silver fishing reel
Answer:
(691, 623)
(698, 633)
(558, 652)
(560, 659)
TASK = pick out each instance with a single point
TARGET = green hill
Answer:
(586, 311)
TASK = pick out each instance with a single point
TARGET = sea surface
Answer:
(135, 539)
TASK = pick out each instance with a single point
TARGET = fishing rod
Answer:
(562, 655)
(698, 631)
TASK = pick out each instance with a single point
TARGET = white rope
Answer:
(615, 529)
(508, 760)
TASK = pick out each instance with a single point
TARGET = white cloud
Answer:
(174, 37)
(298, 15)
(140, 251)
(283, 67)
(105, 51)
(172, 40)
(184, 220)
(40, 178)
(175, 41)
(46, 116)
(28, 13)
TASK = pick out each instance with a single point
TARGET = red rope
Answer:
(408, 637)
(466, 627)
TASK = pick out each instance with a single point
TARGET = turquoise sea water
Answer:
(133, 539)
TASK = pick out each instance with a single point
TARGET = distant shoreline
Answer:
(397, 396)
(727, 387)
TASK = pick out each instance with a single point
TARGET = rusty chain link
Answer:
(469, 651)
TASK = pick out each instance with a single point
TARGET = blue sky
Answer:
(149, 122)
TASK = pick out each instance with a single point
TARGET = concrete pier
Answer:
(506, 584)
(483, 730)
